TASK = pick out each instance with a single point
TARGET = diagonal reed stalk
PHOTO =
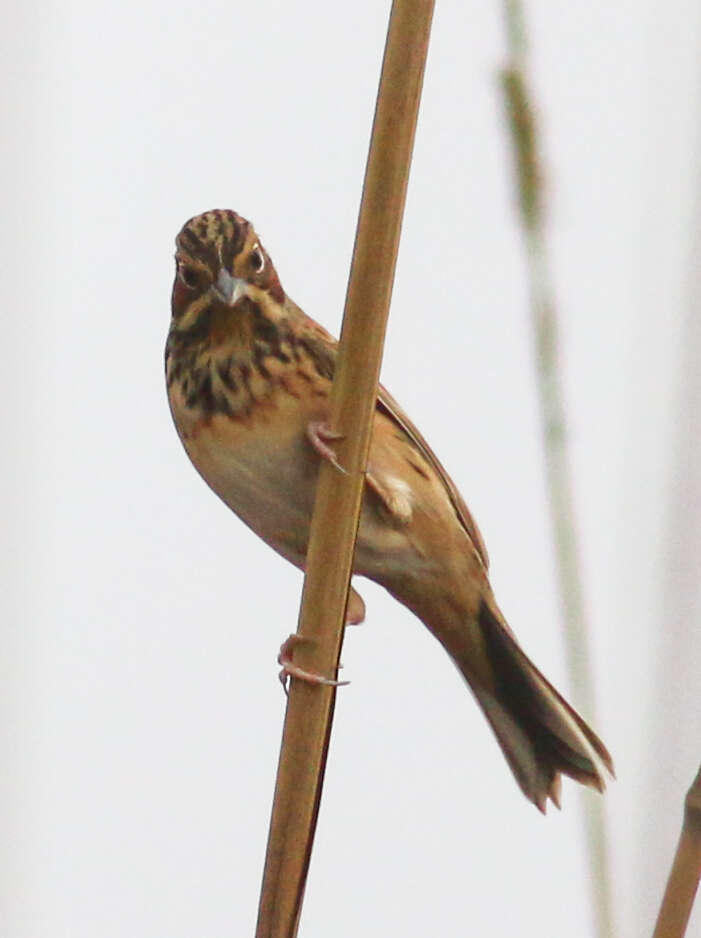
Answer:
(686, 870)
(559, 481)
(309, 713)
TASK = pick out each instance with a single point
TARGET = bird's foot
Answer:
(320, 435)
(355, 610)
(290, 669)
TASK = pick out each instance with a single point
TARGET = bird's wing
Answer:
(324, 349)
(387, 405)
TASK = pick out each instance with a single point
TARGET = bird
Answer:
(248, 377)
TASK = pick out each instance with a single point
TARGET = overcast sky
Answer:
(141, 711)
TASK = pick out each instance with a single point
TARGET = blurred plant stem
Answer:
(520, 113)
(686, 870)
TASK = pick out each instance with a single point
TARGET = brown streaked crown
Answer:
(215, 237)
(221, 239)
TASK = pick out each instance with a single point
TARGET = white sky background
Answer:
(141, 709)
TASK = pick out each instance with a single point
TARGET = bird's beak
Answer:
(229, 289)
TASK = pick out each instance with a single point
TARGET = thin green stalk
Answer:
(549, 380)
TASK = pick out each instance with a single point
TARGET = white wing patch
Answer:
(395, 494)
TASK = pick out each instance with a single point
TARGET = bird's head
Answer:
(221, 266)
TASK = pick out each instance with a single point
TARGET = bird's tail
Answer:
(539, 732)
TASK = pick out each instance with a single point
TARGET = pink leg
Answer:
(290, 669)
(320, 435)
(355, 610)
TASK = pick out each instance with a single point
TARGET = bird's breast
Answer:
(259, 462)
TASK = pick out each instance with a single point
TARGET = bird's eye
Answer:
(256, 259)
(188, 275)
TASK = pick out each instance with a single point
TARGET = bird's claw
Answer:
(320, 435)
(290, 669)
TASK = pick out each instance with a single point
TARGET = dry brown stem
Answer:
(686, 870)
(338, 498)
